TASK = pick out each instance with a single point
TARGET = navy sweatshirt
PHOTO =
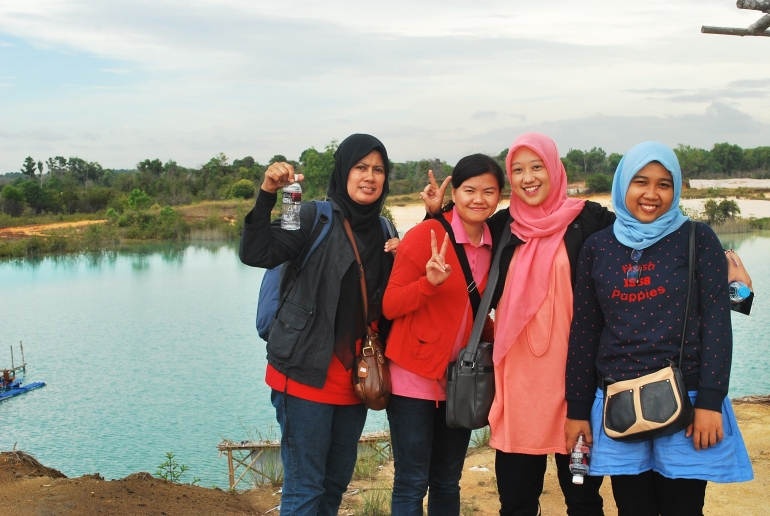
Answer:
(623, 331)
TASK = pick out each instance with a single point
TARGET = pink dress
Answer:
(529, 409)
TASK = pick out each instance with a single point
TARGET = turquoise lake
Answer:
(153, 349)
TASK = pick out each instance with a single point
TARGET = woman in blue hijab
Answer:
(629, 309)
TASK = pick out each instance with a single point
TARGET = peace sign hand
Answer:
(433, 194)
(437, 270)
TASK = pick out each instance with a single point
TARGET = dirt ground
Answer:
(43, 229)
(27, 488)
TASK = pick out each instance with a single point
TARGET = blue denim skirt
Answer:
(673, 456)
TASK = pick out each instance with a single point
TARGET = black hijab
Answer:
(365, 222)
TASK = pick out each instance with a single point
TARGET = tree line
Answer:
(72, 185)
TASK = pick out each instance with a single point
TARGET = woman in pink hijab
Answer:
(532, 322)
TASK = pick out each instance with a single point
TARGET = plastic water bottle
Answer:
(578, 460)
(292, 200)
(738, 291)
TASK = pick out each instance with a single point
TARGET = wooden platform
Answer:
(263, 458)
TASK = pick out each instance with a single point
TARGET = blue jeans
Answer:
(428, 456)
(319, 445)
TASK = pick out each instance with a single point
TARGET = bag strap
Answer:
(365, 297)
(473, 292)
(317, 233)
(486, 300)
(690, 281)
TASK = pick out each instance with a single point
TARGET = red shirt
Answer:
(338, 389)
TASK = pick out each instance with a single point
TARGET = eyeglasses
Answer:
(634, 273)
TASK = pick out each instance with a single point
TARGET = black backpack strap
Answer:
(296, 268)
(473, 292)
(388, 229)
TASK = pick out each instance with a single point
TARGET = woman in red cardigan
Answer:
(429, 302)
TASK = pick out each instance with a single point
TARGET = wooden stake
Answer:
(230, 467)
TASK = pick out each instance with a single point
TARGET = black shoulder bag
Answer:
(470, 380)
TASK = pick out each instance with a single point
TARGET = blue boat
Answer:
(15, 388)
(10, 385)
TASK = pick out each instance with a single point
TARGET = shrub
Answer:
(172, 471)
(139, 200)
(12, 200)
(243, 189)
(598, 183)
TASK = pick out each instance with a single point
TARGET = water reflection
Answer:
(170, 253)
(736, 240)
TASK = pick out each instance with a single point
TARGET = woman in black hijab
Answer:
(318, 329)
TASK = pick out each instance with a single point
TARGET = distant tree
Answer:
(719, 212)
(96, 198)
(33, 194)
(70, 200)
(729, 209)
(757, 159)
(154, 167)
(694, 162)
(612, 162)
(728, 157)
(51, 162)
(28, 169)
(247, 162)
(317, 169)
(599, 183)
(279, 158)
(578, 157)
(12, 200)
(595, 160)
(40, 169)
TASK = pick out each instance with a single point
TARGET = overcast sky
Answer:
(121, 81)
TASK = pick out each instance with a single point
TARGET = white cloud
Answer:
(187, 80)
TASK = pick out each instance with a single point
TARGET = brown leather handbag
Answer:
(371, 380)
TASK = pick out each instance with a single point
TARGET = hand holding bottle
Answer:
(278, 175)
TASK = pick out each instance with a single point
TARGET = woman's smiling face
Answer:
(530, 181)
(650, 193)
(477, 198)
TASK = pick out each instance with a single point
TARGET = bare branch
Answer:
(754, 5)
(731, 32)
(759, 26)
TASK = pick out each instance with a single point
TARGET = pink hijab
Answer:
(542, 229)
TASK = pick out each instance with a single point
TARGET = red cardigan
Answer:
(426, 318)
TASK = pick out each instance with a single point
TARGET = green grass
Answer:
(375, 501)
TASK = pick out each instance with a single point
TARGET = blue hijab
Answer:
(628, 230)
